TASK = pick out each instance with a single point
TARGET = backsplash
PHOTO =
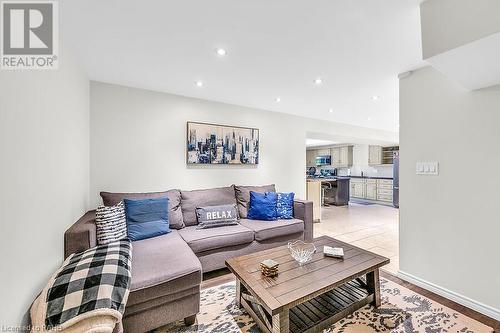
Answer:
(372, 171)
(380, 171)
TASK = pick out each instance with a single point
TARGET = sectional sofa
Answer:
(167, 270)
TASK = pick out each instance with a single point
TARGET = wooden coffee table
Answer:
(311, 297)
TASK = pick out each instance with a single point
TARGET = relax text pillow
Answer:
(216, 216)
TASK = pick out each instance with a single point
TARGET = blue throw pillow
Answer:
(284, 206)
(263, 206)
(146, 218)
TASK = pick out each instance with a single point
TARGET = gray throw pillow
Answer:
(216, 216)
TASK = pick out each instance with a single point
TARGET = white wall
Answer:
(447, 24)
(44, 176)
(138, 142)
(449, 227)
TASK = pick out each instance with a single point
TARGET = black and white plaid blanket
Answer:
(96, 280)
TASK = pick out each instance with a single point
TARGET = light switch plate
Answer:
(427, 168)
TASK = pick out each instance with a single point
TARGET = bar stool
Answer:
(324, 188)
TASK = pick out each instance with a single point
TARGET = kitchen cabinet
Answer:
(372, 189)
(384, 190)
(358, 187)
(342, 156)
(345, 160)
(324, 151)
(311, 158)
(374, 155)
(378, 155)
(335, 151)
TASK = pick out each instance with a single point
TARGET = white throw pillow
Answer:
(111, 223)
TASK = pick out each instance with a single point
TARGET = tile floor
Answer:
(371, 227)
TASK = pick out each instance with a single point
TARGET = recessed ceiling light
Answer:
(368, 118)
(375, 97)
(278, 99)
(318, 81)
(221, 52)
(198, 83)
(331, 110)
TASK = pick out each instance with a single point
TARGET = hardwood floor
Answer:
(370, 227)
(495, 324)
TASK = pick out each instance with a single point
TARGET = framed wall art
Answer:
(221, 144)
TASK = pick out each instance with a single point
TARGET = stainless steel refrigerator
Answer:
(395, 185)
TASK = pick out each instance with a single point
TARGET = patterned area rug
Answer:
(402, 311)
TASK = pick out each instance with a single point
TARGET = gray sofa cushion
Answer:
(270, 229)
(200, 198)
(174, 203)
(243, 196)
(200, 240)
(159, 260)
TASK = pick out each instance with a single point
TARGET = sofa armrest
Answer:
(81, 236)
(303, 210)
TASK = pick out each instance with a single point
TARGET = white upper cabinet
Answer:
(341, 156)
(345, 160)
(324, 151)
(375, 155)
(311, 158)
(335, 156)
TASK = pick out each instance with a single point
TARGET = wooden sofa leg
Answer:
(188, 321)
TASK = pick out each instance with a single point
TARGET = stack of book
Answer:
(334, 252)
(269, 267)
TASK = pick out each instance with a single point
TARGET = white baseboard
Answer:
(460, 299)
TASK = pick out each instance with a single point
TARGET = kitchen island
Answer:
(329, 191)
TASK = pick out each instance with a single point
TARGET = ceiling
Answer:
(274, 49)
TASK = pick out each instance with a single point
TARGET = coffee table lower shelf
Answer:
(317, 313)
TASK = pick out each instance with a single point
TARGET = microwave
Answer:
(323, 160)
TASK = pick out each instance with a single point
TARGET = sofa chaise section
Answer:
(166, 278)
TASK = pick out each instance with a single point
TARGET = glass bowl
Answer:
(301, 251)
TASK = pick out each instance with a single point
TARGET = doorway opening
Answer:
(355, 192)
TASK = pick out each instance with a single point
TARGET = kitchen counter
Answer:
(370, 177)
(333, 179)
(346, 177)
